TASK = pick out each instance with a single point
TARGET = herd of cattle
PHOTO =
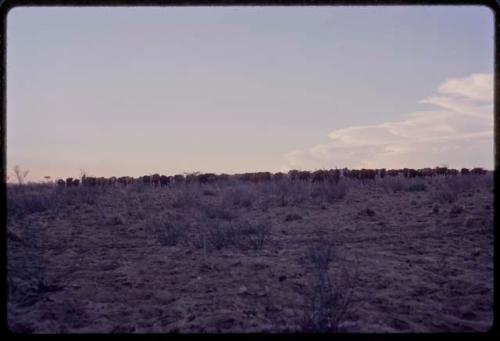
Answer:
(331, 176)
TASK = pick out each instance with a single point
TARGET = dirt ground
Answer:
(414, 259)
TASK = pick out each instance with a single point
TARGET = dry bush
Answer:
(392, 184)
(186, 196)
(26, 269)
(292, 217)
(443, 193)
(330, 299)
(329, 193)
(21, 203)
(221, 234)
(239, 196)
(217, 212)
(167, 231)
(256, 233)
(416, 185)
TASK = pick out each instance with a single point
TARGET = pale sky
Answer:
(134, 91)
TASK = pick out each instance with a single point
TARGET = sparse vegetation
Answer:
(330, 299)
(195, 242)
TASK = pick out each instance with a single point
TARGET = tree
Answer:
(20, 174)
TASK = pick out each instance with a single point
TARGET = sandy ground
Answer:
(415, 264)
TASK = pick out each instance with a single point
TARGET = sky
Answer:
(135, 91)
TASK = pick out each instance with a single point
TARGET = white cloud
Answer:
(458, 132)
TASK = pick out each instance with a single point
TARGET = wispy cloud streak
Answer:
(458, 131)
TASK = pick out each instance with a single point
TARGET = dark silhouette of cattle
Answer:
(206, 178)
(478, 171)
(61, 183)
(381, 173)
(293, 174)
(164, 180)
(304, 175)
(279, 176)
(393, 172)
(155, 179)
(179, 178)
(464, 171)
(146, 179)
(319, 175)
(367, 174)
(223, 177)
(440, 170)
(191, 178)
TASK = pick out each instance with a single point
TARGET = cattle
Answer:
(381, 173)
(452, 172)
(122, 180)
(319, 175)
(223, 177)
(426, 171)
(206, 178)
(393, 172)
(88, 181)
(164, 180)
(179, 178)
(263, 176)
(257, 177)
(464, 171)
(69, 182)
(278, 176)
(191, 178)
(76, 182)
(293, 174)
(61, 183)
(440, 170)
(478, 171)
(146, 179)
(304, 175)
(155, 179)
(367, 174)
(333, 175)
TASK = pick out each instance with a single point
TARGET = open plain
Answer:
(388, 255)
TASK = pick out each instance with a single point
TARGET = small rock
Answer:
(242, 290)
(369, 212)
(292, 217)
(456, 209)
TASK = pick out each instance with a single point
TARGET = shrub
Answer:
(416, 186)
(329, 300)
(444, 194)
(186, 196)
(218, 212)
(256, 232)
(167, 232)
(240, 196)
(320, 256)
(292, 217)
(221, 234)
(392, 184)
(329, 192)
